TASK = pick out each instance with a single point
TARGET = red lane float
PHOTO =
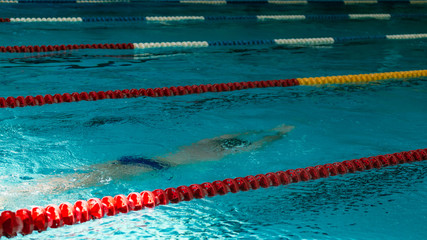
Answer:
(24, 221)
(52, 48)
(39, 100)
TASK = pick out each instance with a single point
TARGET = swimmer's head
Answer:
(232, 143)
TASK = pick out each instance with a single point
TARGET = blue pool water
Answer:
(332, 123)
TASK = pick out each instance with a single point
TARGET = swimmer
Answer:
(129, 166)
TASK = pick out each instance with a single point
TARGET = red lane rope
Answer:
(26, 221)
(51, 48)
(39, 100)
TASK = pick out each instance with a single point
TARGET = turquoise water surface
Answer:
(39, 145)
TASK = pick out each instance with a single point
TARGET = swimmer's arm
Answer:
(203, 149)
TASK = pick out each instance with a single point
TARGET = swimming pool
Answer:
(332, 123)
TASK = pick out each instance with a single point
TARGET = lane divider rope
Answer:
(24, 221)
(39, 100)
(222, 2)
(204, 44)
(186, 19)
